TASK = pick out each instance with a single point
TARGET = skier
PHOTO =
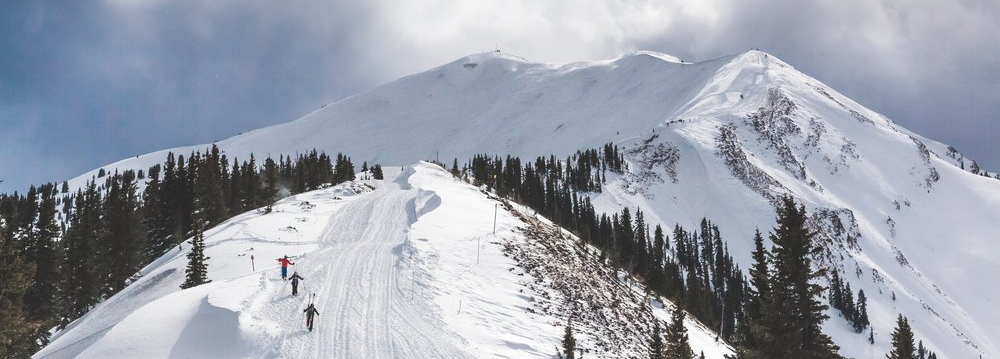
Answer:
(310, 311)
(284, 266)
(295, 282)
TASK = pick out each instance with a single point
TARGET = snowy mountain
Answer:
(897, 213)
(401, 268)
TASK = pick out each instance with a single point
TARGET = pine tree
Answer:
(209, 189)
(43, 251)
(234, 185)
(657, 256)
(124, 240)
(270, 191)
(153, 216)
(848, 304)
(861, 313)
(921, 351)
(568, 343)
(677, 344)
(755, 333)
(797, 323)
(197, 269)
(80, 283)
(902, 340)
(250, 184)
(836, 292)
(16, 336)
(656, 345)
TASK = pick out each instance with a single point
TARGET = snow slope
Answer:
(898, 215)
(393, 268)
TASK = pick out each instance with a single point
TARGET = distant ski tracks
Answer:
(364, 312)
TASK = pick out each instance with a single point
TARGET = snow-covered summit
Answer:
(659, 55)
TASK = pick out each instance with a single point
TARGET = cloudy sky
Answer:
(85, 83)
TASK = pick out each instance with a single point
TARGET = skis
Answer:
(309, 314)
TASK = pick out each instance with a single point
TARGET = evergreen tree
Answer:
(343, 170)
(80, 283)
(657, 255)
(798, 314)
(755, 333)
(251, 188)
(209, 188)
(640, 256)
(43, 251)
(568, 343)
(861, 313)
(158, 241)
(656, 345)
(921, 351)
(235, 201)
(677, 344)
(196, 272)
(902, 340)
(124, 239)
(17, 334)
(836, 292)
(848, 304)
(270, 191)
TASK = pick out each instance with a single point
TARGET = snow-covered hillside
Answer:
(403, 268)
(721, 139)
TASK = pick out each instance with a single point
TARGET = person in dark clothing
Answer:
(310, 312)
(295, 282)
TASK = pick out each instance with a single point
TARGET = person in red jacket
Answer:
(284, 266)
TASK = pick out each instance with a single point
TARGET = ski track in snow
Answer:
(363, 312)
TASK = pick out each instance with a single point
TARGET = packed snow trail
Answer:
(364, 312)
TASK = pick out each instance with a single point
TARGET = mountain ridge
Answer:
(743, 129)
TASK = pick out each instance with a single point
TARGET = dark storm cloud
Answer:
(85, 83)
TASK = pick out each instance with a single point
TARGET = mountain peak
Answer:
(658, 55)
(756, 57)
(490, 56)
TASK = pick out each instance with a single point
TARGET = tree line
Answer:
(63, 252)
(773, 312)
